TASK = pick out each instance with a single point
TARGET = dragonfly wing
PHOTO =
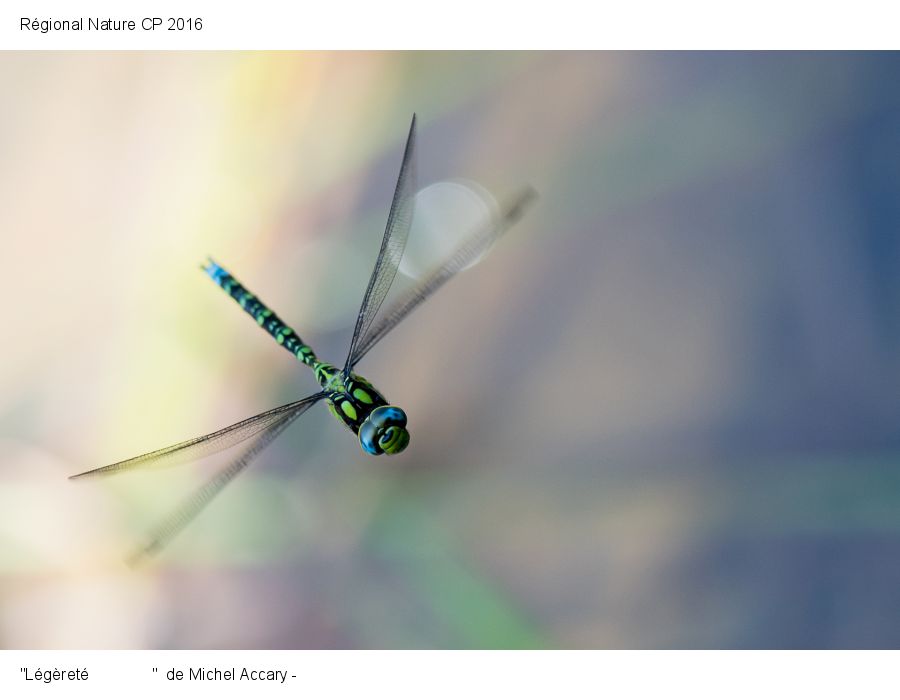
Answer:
(206, 444)
(191, 507)
(473, 247)
(392, 244)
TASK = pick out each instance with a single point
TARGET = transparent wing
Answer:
(469, 251)
(182, 516)
(392, 244)
(205, 444)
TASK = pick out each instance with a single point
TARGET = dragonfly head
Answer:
(384, 431)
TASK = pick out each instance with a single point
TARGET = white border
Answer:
(471, 24)
(475, 674)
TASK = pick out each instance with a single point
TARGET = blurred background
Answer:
(663, 412)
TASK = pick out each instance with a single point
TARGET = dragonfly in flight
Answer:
(380, 427)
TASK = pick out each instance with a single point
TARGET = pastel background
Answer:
(664, 412)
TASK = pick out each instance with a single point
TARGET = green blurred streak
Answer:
(474, 610)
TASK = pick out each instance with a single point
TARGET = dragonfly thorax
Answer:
(353, 400)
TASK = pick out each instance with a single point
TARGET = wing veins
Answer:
(203, 445)
(467, 252)
(174, 523)
(392, 244)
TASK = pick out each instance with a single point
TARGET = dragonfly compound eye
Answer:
(384, 431)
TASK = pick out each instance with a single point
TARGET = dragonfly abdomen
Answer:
(267, 319)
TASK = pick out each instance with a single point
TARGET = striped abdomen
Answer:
(266, 318)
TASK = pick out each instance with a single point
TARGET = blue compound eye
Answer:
(384, 431)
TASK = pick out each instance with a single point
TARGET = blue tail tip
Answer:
(213, 269)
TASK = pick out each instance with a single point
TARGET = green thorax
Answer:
(349, 399)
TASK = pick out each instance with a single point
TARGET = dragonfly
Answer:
(380, 427)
